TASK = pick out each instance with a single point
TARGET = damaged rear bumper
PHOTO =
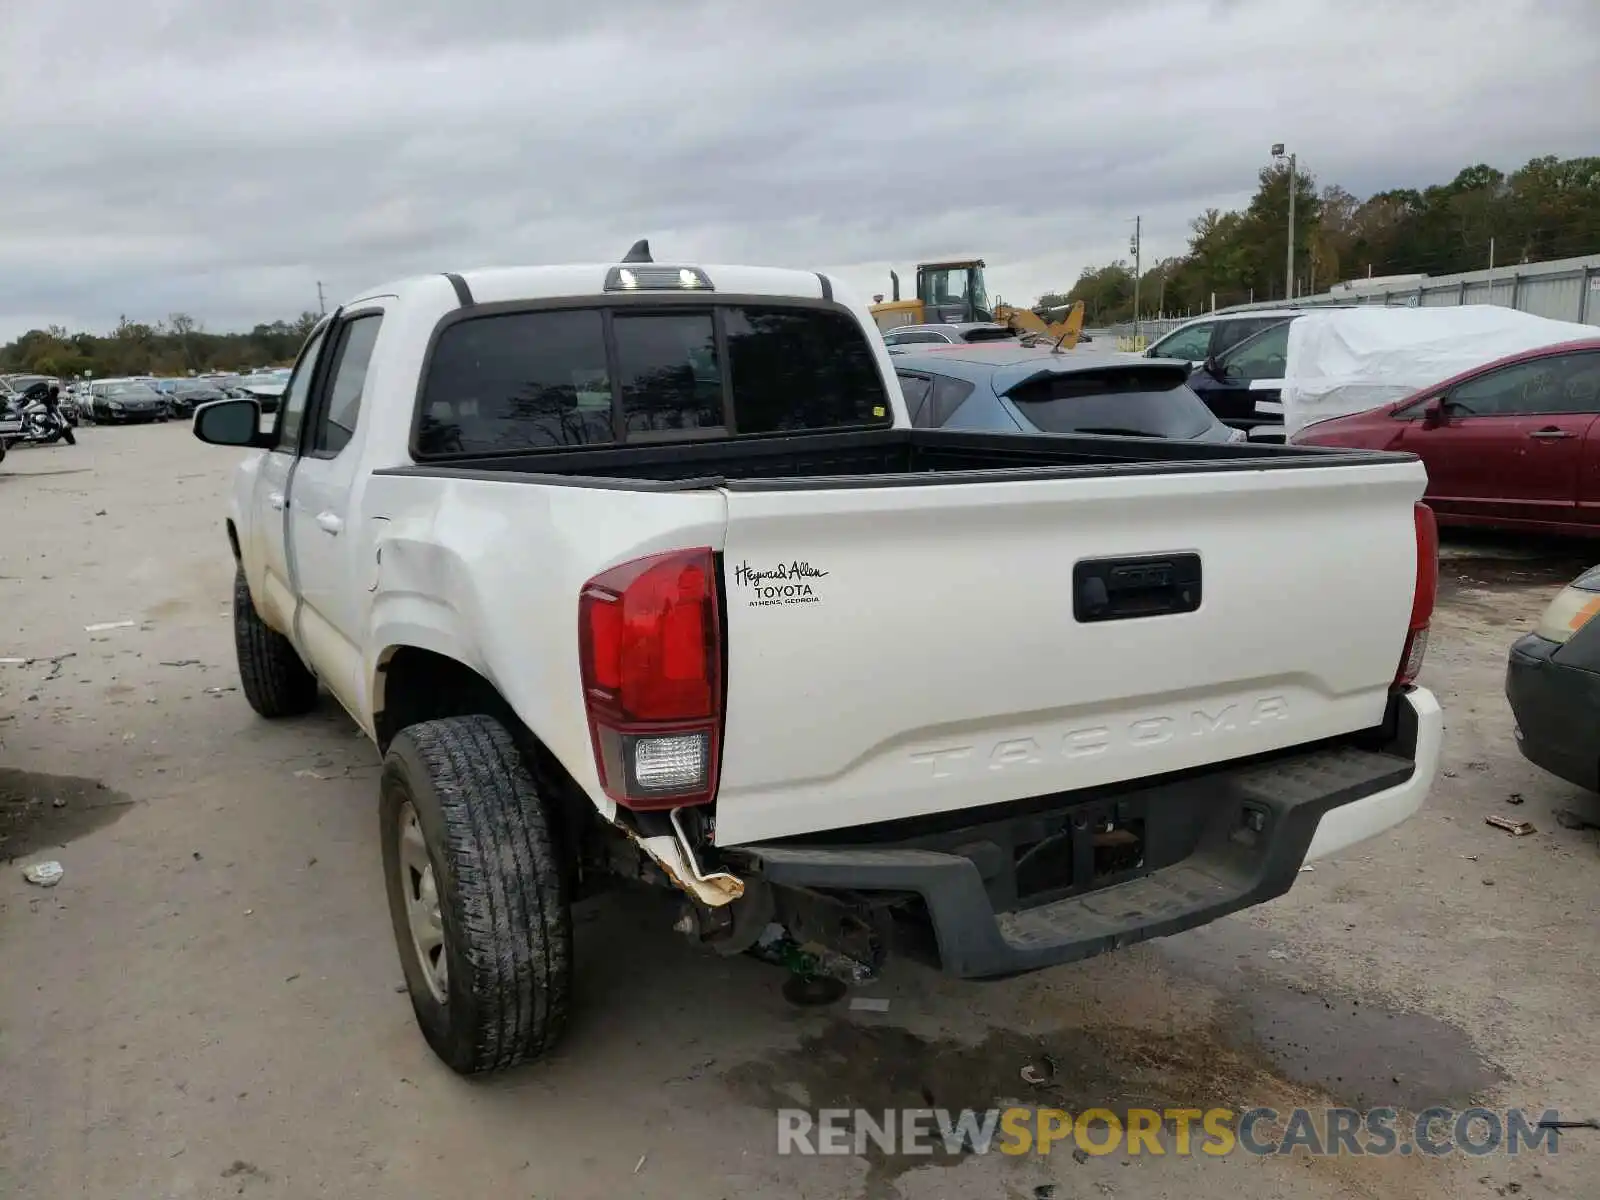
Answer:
(1065, 878)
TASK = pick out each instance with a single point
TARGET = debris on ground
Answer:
(102, 626)
(1280, 955)
(869, 1004)
(1039, 1073)
(1307, 867)
(44, 874)
(1514, 828)
(1514, 798)
(639, 1166)
(217, 691)
(778, 947)
(182, 662)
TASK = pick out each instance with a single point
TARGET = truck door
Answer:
(329, 549)
(265, 549)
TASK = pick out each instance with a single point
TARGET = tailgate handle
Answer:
(1151, 585)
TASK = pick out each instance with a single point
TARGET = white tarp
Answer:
(1346, 360)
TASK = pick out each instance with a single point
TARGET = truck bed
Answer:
(924, 621)
(876, 458)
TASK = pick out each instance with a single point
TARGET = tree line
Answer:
(1548, 209)
(176, 346)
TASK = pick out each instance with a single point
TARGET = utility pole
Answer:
(1288, 271)
(322, 306)
(1136, 247)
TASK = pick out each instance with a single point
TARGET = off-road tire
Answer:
(503, 895)
(275, 681)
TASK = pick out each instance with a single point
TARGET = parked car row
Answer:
(145, 398)
(1512, 443)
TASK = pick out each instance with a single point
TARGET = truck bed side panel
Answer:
(488, 573)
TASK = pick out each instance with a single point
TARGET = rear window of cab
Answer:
(560, 378)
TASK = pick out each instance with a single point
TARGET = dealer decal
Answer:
(786, 583)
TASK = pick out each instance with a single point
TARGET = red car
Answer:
(1514, 444)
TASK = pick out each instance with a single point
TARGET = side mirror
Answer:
(1213, 368)
(229, 423)
(1433, 413)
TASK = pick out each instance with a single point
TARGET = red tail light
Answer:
(650, 649)
(1422, 599)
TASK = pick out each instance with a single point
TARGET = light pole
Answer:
(1137, 246)
(1288, 273)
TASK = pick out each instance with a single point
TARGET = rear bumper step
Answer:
(1208, 845)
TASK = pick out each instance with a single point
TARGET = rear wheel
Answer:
(275, 681)
(477, 894)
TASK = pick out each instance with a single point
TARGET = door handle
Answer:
(1552, 434)
(275, 500)
(329, 523)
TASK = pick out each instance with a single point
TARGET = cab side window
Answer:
(336, 420)
(292, 409)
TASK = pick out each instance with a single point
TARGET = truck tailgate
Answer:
(903, 650)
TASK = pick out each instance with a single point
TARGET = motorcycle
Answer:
(43, 424)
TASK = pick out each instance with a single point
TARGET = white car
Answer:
(639, 569)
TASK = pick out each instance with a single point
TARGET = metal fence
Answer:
(1567, 289)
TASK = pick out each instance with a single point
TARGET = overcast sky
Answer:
(219, 158)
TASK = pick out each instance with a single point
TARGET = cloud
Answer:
(219, 158)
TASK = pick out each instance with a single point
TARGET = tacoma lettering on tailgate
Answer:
(1085, 741)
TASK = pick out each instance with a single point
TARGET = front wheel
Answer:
(275, 681)
(477, 894)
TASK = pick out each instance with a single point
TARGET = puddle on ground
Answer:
(38, 812)
(1360, 1053)
(1263, 1035)
(877, 1067)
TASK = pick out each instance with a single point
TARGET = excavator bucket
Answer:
(1027, 323)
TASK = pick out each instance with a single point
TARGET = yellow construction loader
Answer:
(954, 291)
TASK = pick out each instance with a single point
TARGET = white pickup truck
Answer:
(638, 570)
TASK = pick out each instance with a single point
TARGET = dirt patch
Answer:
(39, 811)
